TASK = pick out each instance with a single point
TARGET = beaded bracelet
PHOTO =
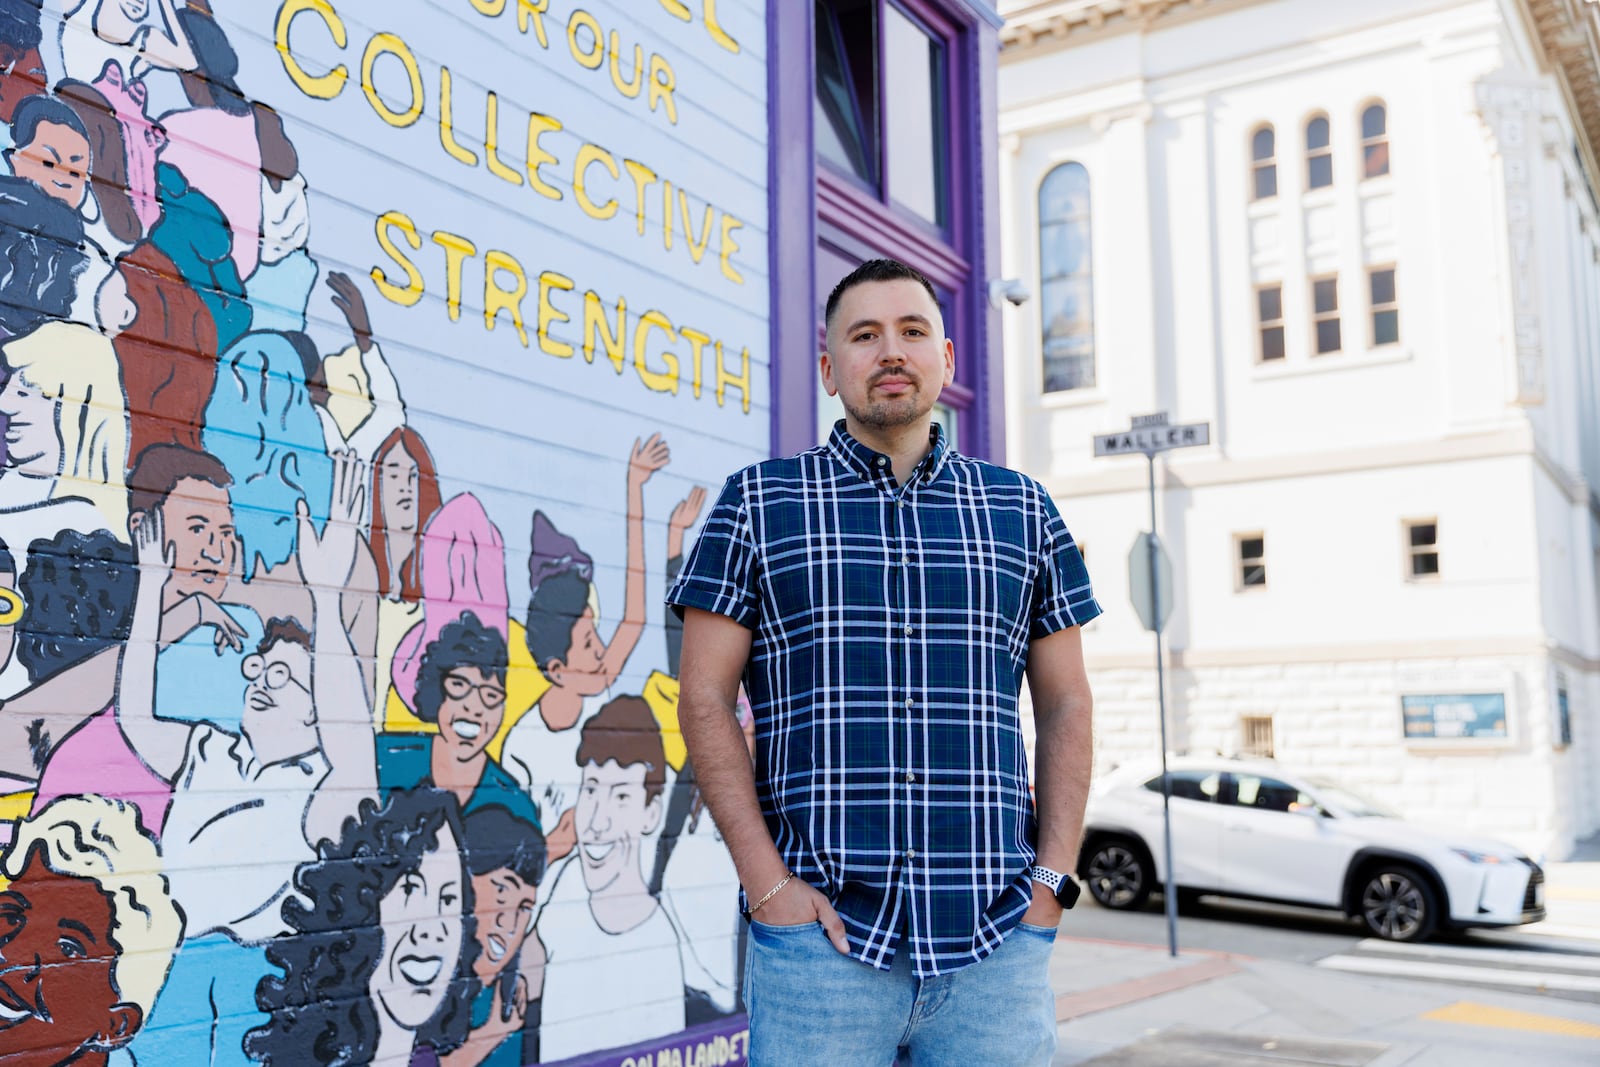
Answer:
(770, 894)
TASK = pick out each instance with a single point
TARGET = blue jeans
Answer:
(810, 1005)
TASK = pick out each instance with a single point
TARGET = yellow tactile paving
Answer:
(1486, 1015)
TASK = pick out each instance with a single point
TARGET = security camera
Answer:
(1011, 290)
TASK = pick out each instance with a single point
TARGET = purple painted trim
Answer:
(990, 409)
(792, 232)
(984, 10)
(734, 1032)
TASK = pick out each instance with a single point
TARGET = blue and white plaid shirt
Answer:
(890, 635)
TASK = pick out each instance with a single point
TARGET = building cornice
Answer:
(1044, 25)
(1568, 34)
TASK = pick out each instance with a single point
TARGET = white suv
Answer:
(1255, 830)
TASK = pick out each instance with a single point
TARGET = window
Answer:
(1250, 553)
(1325, 314)
(1374, 141)
(1190, 785)
(1563, 713)
(880, 108)
(1422, 550)
(1264, 163)
(1269, 316)
(1255, 736)
(1319, 154)
(1385, 307)
(1268, 794)
(1066, 304)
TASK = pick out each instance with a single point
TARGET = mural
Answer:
(338, 711)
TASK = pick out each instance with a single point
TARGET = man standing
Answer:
(882, 596)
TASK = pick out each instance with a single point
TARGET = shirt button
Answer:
(882, 461)
(909, 630)
(901, 503)
(910, 702)
(911, 776)
(906, 560)
(911, 853)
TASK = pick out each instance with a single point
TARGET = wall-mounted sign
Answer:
(1455, 716)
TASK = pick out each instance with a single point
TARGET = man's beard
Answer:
(894, 412)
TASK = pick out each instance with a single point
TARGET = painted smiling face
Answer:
(33, 444)
(58, 996)
(615, 813)
(422, 932)
(470, 714)
(279, 715)
(504, 907)
(57, 161)
(198, 518)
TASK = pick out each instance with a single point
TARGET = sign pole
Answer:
(1169, 892)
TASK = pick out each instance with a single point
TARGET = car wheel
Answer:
(1118, 874)
(1397, 904)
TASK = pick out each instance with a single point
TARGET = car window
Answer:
(1190, 785)
(1268, 794)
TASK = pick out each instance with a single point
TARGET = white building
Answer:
(1361, 240)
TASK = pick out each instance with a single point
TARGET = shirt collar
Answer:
(876, 467)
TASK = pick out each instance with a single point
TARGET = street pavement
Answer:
(1512, 998)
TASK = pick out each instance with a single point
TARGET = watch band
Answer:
(1051, 880)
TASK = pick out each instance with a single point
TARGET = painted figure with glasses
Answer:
(461, 695)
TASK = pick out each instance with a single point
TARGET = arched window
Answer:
(1264, 162)
(1374, 141)
(1319, 153)
(1066, 303)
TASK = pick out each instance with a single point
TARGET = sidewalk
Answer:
(1123, 1005)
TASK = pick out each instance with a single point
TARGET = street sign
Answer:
(1139, 590)
(1149, 438)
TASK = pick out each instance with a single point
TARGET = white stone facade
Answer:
(1481, 419)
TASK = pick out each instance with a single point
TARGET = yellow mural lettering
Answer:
(741, 380)
(408, 294)
(491, 148)
(667, 214)
(488, 7)
(589, 154)
(597, 327)
(582, 20)
(697, 248)
(549, 314)
(642, 177)
(727, 246)
(447, 121)
(662, 84)
(320, 86)
(628, 89)
(714, 28)
(697, 345)
(457, 249)
(497, 298)
(656, 381)
(678, 8)
(538, 126)
(383, 44)
(532, 11)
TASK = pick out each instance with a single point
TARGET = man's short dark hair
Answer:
(553, 611)
(287, 630)
(40, 108)
(159, 469)
(625, 730)
(19, 26)
(463, 643)
(876, 270)
(496, 840)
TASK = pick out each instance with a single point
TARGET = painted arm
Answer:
(715, 649)
(682, 518)
(163, 45)
(159, 743)
(1063, 713)
(647, 458)
(338, 690)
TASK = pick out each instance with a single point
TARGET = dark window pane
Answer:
(1266, 181)
(1373, 122)
(846, 86)
(1376, 161)
(1252, 547)
(1317, 133)
(1319, 171)
(1262, 145)
(1272, 343)
(914, 121)
(1385, 327)
(1254, 574)
(1327, 336)
(1424, 533)
(1382, 286)
(1325, 295)
(1424, 564)
(1269, 303)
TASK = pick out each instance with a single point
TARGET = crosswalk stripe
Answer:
(1505, 1019)
(1447, 953)
(1570, 983)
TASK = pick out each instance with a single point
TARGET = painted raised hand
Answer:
(326, 562)
(648, 457)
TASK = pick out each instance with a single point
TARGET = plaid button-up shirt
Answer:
(890, 628)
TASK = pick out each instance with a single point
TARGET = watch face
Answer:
(1067, 893)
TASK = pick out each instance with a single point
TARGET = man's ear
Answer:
(121, 1025)
(654, 809)
(551, 666)
(825, 368)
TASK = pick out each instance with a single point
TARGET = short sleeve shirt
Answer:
(890, 632)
